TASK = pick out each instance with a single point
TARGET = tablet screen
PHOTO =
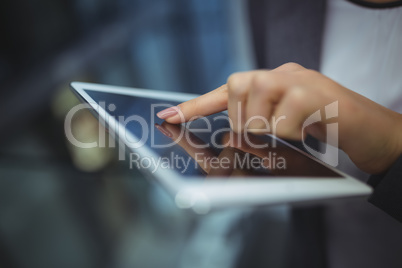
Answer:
(206, 146)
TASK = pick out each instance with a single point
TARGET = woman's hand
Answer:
(281, 100)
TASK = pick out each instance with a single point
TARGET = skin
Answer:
(368, 132)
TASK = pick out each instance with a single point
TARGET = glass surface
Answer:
(203, 147)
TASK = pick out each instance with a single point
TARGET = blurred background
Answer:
(61, 206)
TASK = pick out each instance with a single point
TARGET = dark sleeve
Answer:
(387, 193)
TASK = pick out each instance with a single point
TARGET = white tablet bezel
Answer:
(202, 195)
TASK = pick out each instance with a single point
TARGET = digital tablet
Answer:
(202, 163)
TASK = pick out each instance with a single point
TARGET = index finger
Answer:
(207, 104)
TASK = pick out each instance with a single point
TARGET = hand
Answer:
(369, 133)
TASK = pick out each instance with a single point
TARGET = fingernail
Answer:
(169, 112)
(164, 131)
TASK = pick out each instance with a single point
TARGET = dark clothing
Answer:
(291, 31)
(388, 190)
(347, 233)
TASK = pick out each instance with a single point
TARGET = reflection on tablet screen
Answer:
(206, 146)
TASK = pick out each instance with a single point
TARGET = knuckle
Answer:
(237, 92)
(261, 82)
(267, 83)
(237, 84)
(234, 79)
(297, 98)
(291, 66)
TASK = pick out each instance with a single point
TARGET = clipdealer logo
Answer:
(330, 155)
(119, 125)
